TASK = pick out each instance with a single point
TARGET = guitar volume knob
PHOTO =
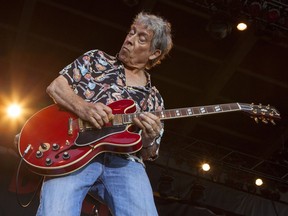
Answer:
(55, 146)
(39, 154)
(48, 161)
(66, 155)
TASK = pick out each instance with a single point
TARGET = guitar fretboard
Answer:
(261, 112)
(186, 112)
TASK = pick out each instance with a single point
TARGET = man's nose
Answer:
(130, 39)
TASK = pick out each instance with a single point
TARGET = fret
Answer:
(170, 114)
(189, 111)
(218, 108)
(126, 118)
(129, 118)
(177, 112)
(235, 106)
(226, 107)
(183, 112)
(196, 110)
(210, 109)
(202, 110)
(160, 114)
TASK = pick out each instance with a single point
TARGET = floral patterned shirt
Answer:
(98, 77)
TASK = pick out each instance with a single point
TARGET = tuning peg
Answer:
(272, 121)
(264, 120)
(260, 105)
(256, 120)
(268, 106)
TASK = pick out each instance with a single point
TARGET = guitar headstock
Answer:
(264, 113)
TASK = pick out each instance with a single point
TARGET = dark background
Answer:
(211, 63)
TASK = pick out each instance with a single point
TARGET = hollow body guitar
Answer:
(56, 142)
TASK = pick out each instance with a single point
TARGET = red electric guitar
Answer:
(56, 142)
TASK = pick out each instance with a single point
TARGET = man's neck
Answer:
(135, 77)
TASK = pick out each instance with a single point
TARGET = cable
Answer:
(17, 181)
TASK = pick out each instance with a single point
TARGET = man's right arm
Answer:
(97, 114)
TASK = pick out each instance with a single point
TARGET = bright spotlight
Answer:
(14, 110)
(259, 182)
(241, 26)
(205, 167)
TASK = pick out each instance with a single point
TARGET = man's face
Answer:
(135, 51)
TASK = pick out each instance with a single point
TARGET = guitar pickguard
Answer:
(89, 137)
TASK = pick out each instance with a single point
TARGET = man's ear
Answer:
(155, 54)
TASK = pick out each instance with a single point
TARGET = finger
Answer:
(107, 114)
(94, 122)
(99, 119)
(151, 116)
(138, 123)
(145, 131)
(99, 114)
(152, 121)
(103, 117)
(148, 126)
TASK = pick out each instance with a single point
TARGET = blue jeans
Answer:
(121, 184)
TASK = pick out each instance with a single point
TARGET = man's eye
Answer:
(142, 39)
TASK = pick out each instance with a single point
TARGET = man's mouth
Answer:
(125, 48)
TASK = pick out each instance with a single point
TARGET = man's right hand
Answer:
(97, 114)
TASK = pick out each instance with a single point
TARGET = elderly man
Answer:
(86, 87)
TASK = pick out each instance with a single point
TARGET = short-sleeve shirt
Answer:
(98, 77)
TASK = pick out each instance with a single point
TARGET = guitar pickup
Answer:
(70, 126)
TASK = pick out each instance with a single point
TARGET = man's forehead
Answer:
(144, 28)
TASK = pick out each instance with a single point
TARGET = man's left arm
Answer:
(152, 130)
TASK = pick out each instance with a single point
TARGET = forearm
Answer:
(97, 114)
(60, 91)
(150, 150)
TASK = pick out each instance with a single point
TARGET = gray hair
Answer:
(162, 38)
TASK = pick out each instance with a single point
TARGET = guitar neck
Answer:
(189, 111)
(264, 113)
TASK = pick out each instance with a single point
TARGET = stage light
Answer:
(259, 182)
(205, 167)
(14, 111)
(241, 26)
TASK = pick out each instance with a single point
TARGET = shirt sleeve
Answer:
(80, 67)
